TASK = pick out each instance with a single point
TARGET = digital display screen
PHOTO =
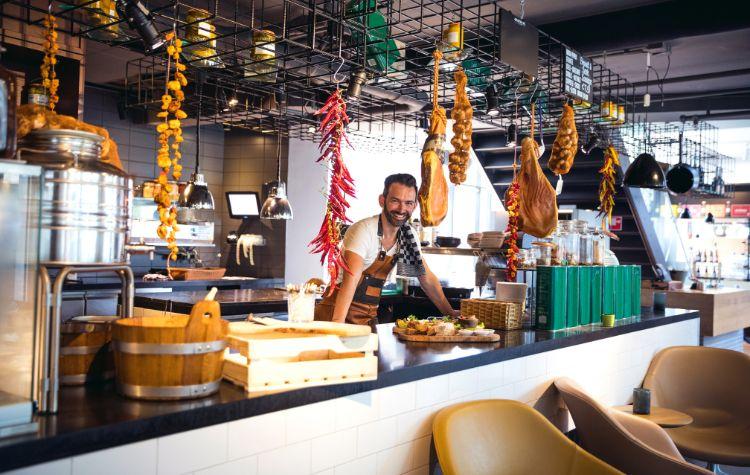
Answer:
(243, 204)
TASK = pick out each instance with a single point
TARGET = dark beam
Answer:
(721, 103)
(694, 77)
(650, 24)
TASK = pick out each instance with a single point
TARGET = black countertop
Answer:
(95, 417)
(174, 285)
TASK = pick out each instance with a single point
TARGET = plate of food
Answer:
(443, 329)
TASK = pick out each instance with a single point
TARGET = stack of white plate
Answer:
(492, 239)
(474, 239)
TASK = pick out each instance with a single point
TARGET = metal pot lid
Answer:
(60, 133)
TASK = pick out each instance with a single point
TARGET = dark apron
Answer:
(364, 307)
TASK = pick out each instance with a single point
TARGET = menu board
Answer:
(577, 75)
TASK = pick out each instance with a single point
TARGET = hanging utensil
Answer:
(682, 177)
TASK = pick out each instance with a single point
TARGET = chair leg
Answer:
(716, 468)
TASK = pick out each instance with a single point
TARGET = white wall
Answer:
(306, 181)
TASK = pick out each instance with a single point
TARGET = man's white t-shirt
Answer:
(362, 239)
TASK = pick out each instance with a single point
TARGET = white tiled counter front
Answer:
(384, 431)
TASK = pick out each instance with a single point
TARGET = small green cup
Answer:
(608, 320)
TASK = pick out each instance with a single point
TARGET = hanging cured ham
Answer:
(433, 191)
(537, 210)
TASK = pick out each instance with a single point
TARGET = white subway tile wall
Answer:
(365, 434)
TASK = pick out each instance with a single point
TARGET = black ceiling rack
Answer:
(699, 149)
(314, 39)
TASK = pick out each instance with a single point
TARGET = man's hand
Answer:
(431, 286)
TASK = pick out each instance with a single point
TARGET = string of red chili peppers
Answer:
(333, 131)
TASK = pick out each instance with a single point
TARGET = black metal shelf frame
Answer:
(317, 38)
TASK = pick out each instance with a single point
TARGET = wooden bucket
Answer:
(176, 357)
(85, 353)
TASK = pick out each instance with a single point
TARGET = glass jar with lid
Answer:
(585, 244)
(559, 241)
(262, 68)
(542, 252)
(598, 247)
(200, 33)
(569, 235)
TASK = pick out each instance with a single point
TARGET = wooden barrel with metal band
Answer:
(85, 352)
(176, 357)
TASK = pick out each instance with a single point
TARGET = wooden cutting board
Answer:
(281, 327)
(446, 339)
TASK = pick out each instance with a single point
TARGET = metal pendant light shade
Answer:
(645, 172)
(196, 201)
(277, 205)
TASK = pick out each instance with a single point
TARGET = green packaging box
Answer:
(622, 304)
(596, 293)
(584, 295)
(609, 290)
(573, 297)
(551, 284)
(635, 291)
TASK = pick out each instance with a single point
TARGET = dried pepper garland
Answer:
(49, 77)
(511, 202)
(333, 131)
(170, 138)
(607, 186)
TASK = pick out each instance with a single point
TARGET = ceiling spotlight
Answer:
(139, 18)
(491, 94)
(312, 129)
(233, 102)
(424, 122)
(357, 79)
(511, 136)
(595, 140)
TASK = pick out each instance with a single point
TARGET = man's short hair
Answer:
(401, 178)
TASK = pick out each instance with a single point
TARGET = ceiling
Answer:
(711, 45)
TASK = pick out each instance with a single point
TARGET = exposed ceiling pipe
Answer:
(700, 95)
(694, 77)
(719, 115)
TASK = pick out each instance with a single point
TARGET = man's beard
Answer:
(393, 220)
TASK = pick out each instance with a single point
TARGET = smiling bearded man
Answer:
(372, 248)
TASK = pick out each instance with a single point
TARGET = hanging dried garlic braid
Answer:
(170, 138)
(49, 77)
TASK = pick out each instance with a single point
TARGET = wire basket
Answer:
(495, 313)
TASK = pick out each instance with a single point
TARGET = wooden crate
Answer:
(282, 357)
(197, 273)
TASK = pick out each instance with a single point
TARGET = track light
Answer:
(139, 18)
(357, 79)
(312, 129)
(512, 135)
(491, 94)
(594, 140)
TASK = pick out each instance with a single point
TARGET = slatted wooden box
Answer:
(289, 356)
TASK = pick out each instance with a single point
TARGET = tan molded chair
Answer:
(713, 386)
(496, 437)
(633, 445)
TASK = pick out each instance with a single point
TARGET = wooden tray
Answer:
(446, 339)
(284, 356)
(197, 273)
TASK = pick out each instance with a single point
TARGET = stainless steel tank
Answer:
(85, 203)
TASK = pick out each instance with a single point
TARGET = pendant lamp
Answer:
(196, 200)
(645, 172)
(277, 205)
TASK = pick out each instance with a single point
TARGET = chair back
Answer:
(650, 451)
(710, 384)
(495, 437)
